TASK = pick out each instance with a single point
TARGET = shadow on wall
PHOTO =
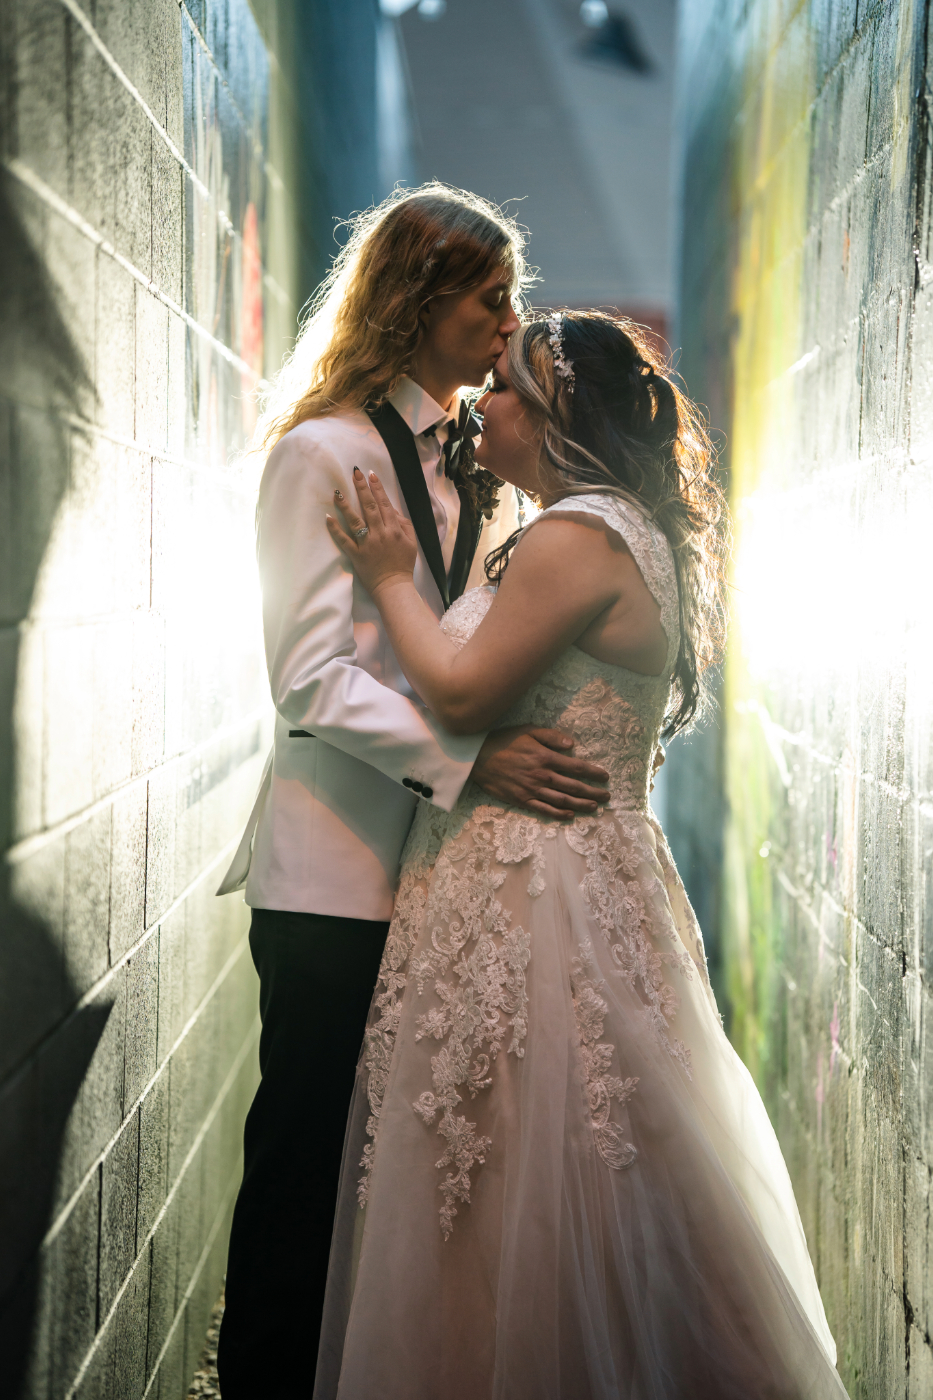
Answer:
(38, 356)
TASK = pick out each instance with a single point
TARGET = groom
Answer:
(355, 751)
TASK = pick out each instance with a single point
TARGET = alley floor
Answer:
(205, 1384)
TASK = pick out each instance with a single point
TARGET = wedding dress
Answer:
(559, 1180)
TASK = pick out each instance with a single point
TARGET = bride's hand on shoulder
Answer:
(380, 544)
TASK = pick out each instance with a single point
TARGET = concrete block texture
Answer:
(87, 900)
(118, 1192)
(39, 61)
(135, 143)
(69, 1283)
(142, 1019)
(151, 371)
(142, 37)
(95, 1111)
(115, 341)
(127, 869)
(131, 1324)
(153, 1156)
(35, 471)
(34, 992)
(806, 158)
(163, 1299)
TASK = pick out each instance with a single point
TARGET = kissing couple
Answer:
(501, 1148)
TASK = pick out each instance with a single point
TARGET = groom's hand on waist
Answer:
(535, 769)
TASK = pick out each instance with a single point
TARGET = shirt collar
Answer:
(418, 408)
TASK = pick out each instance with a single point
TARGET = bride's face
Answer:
(511, 443)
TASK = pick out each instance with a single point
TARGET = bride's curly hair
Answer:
(362, 329)
(623, 427)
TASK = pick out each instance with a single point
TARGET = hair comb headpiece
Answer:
(562, 367)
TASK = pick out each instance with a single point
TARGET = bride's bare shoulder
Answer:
(571, 536)
(578, 554)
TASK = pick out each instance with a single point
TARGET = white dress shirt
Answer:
(421, 413)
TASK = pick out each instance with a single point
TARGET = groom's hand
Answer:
(534, 768)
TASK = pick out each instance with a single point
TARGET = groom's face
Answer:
(466, 332)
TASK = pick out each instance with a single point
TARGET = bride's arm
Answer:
(559, 579)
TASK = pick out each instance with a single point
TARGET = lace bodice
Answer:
(615, 715)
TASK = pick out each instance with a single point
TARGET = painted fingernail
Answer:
(373, 476)
(357, 471)
(339, 495)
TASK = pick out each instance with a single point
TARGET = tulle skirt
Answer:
(559, 1180)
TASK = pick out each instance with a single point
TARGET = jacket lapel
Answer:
(468, 533)
(400, 442)
(470, 527)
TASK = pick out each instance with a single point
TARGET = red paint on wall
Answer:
(251, 344)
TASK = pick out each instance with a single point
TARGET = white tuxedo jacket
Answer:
(333, 810)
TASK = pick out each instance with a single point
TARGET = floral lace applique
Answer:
(488, 998)
(464, 1149)
(379, 1039)
(462, 619)
(479, 1006)
(601, 1087)
(617, 888)
(517, 836)
(429, 829)
(608, 731)
(693, 930)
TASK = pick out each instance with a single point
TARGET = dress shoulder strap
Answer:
(650, 549)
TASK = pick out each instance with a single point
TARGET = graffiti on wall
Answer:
(225, 118)
(807, 179)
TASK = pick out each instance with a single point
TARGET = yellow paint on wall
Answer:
(772, 172)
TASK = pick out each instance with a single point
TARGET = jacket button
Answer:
(407, 782)
(427, 792)
(416, 786)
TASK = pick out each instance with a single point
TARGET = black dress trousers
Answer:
(317, 975)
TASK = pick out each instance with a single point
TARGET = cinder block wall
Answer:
(807, 323)
(149, 254)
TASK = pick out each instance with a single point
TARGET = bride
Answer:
(559, 1180)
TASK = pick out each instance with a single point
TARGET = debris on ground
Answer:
(204, 1384)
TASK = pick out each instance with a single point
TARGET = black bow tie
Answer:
(456, 431)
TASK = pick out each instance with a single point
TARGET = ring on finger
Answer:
(361, 533)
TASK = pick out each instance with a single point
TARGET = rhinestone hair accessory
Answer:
(562, 367)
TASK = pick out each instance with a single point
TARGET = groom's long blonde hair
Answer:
(362, 328)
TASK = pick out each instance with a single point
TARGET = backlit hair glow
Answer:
(622, 426)
(362, 327)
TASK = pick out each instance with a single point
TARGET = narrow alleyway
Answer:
(751, 178)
